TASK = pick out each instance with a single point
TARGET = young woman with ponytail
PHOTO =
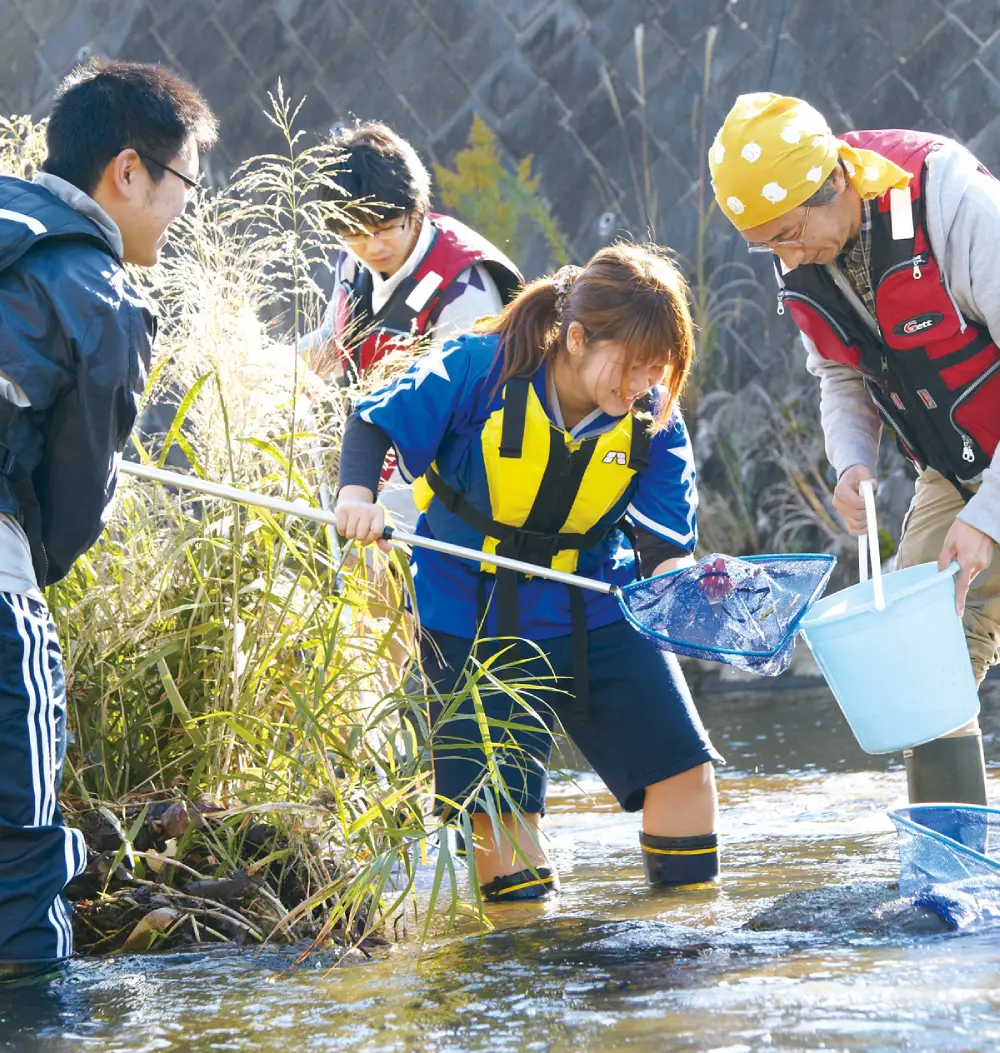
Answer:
(552, 433)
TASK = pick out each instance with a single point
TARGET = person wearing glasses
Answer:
(123, 143)
(406, 279)
(884, 245)
(404, 272)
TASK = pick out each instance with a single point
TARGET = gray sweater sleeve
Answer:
(851, 424)
(963, 223)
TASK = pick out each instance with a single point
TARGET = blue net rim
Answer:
(793, 625)
(901, 818)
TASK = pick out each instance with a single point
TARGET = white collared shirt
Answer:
(457, 316)
(383, 288)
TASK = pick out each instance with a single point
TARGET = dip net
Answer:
(949, 861)
(742, 612)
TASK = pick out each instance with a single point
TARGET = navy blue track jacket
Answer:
(76, 336)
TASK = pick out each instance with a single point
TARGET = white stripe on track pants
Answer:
(38, 854)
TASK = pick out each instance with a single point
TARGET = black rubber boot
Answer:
(524, 885)
(17, 973)
(680, 862)
(950, 770)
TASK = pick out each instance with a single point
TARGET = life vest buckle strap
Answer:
(451, 498)
(529, 546)
(642, 435)
(515, 411)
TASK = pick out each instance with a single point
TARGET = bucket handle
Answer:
(865, 549)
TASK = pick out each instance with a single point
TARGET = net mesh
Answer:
(939, 844)
(743, 612)
(949, 861)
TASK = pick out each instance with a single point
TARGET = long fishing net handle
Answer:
(318, 515)
(505, 563)
(227, 493)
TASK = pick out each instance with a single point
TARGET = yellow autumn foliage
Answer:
(500, 205)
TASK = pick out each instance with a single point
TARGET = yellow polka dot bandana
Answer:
(773, 152)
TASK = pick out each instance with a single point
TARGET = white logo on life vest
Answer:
(912, 326)
(615, 457)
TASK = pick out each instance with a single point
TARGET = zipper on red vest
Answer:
(968, 452)
(916, 263)
(784, 294)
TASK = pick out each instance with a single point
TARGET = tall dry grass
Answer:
(224, 654)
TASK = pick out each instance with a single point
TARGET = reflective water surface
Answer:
(607, 966)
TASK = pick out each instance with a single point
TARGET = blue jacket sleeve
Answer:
(88, 428)
(437, 395)
(666, 500)
(81, 357)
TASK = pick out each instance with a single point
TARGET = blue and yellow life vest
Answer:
(550, 496)
(548, 491)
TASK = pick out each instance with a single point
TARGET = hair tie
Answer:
(563, 281)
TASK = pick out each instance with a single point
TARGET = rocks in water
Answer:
(865, 908)
(165, 873)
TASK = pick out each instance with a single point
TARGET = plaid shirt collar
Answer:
(853, 260)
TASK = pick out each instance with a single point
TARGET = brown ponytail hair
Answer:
(632, 294)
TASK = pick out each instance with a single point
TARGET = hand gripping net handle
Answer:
(318, 515)
(645, 603)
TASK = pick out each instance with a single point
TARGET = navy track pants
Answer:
(38, 854)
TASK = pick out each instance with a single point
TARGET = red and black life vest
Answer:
(934, 376)
(363, 337)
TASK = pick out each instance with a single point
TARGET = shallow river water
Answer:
(606, 966)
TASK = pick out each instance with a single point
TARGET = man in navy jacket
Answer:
(75, 340)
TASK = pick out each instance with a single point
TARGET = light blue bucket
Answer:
(902, 675)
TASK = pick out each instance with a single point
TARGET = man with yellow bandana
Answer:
(884, 246)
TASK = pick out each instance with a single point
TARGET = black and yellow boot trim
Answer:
(681, 862)
(524, 885)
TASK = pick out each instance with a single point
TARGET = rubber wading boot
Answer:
(680, 862)
(524, 885)
(951, 770)
(18, 973)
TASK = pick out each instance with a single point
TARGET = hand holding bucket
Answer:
(893, 650)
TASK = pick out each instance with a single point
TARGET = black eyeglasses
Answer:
(359, 235)
(191, 184)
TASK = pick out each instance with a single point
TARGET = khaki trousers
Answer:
(933, 509)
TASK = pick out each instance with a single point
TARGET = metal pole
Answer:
(304, 511)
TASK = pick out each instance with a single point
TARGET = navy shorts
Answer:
(637, 727)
